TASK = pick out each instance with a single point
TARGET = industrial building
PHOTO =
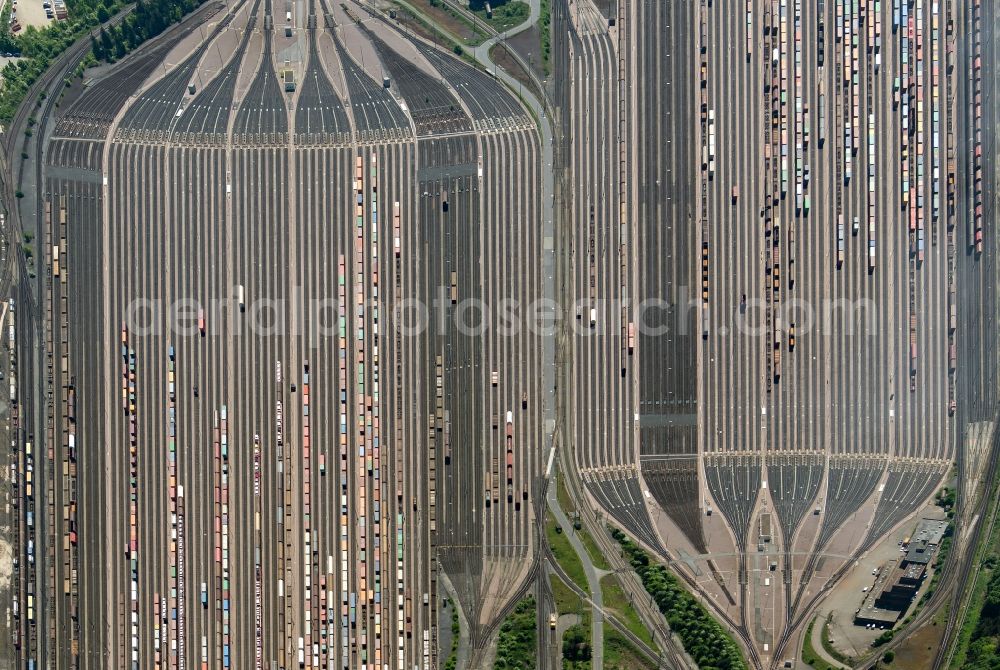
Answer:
(899, 581)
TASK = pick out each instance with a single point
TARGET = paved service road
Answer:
(593, 577)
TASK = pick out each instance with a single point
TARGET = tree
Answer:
(119, 38)
(96, 47)
(106, 45)
(517, 640)
(576, 646)
(884, 638)
(889, 656)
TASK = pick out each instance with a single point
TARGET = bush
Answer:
(889, 656)
(576, 644)
(945, 499)
(452, 661)
(518, 638)
(884, 638)
(703, 637)
(38, 48)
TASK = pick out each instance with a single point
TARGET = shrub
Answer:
(518, 638)
(704, 638)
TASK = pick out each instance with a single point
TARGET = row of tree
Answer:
(452, 660)
(150, 18)
(703, 637)
(984, 646)
(38, 48)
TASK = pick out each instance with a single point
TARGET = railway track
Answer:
(739, 628)
(970, 567)
(946, 650)
(674, 658)
(951, 585)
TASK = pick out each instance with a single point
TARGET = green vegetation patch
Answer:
(620, 654)
(505, 15)
(545, 32)
(5, 37)
(576, 639)
(576, 649)
(562, 494)
(940, 557)
(518, 638)
(564, 552)
(982, 633)
(566, 599)
(590, 544)
(884, 638)
(150, 18)
(977, 643)
(832, 651)
(703, 637)
(616, 600)
(945, 499)
(453, 20)
(566, 503)
(809, 655)
(416, 22)
(39, 48)
(452, 661)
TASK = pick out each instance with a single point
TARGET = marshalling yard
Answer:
(269, 467)
(265, 411)
(778, 215)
